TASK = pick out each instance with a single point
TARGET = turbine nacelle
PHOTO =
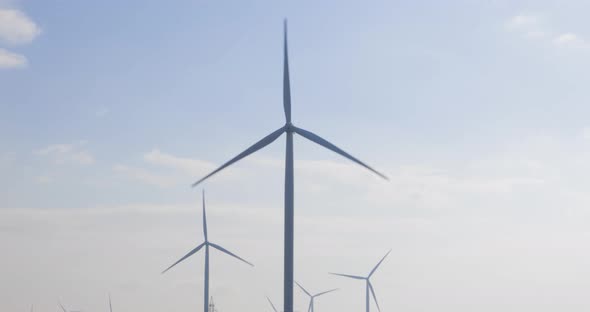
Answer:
(289, 127)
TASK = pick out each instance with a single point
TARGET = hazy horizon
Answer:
(476, 111)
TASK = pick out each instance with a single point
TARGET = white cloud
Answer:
(16, 27)
(165, 170)
(43, 179)
(145, 176)
(536, 34)
(67, 154)
(530, 26)
(101, 112)
(187, 165)
(12, 60)
(568, 39)
(521, 21)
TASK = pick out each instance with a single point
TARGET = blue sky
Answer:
(475, 109)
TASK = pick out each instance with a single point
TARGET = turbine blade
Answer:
(62, 307)
(204, 218)
(229, 253)
(378, 264)
(305, 291)
(286, 82)
(272, 305)
(317, 139)
(374, 296)
(310, 309)
(110, 304)
(257, 146)
(325, 292)
(350, 276)
(186, 256)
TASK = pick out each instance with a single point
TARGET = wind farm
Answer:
(289, 210)
(289, 129)
(454, 134)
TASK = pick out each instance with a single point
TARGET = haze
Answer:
(477, 111)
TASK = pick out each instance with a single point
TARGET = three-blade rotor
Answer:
(367, 279)
(312, 297)
(206, 243)
(287, 127)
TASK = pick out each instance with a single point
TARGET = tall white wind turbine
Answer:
(288, 129)
(312, 297)
(206, 244)
(368, 286)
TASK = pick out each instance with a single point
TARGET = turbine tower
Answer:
(110, 304)
(312, 297)
(206, 244)
(369, 286)
(288, 129)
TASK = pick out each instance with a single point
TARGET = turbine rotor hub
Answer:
(289, 127)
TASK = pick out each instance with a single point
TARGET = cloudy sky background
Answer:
(476, 110)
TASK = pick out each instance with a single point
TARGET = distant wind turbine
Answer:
(110, 304)
(206, 244)
(64, 309)
(312, 297)
(369, 286)
(288, 129)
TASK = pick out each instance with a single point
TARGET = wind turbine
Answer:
(64, 309)
(288, 129)
(206, 244)
(369, 286)
(110, 304)
(312, 297)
